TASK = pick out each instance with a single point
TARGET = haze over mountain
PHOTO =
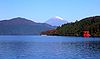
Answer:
(56, 21)
(22, 26)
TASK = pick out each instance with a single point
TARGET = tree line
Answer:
(91, 24)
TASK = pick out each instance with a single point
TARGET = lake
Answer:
(49, 47)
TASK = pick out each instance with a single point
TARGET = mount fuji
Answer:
(56, 21)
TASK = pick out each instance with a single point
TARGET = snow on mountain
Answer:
(56, 21)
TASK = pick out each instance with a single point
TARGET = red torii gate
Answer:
(86, 34)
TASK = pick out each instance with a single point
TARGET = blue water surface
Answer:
(49, 47)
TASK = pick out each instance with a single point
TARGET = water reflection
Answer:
(50, 50)
(19, 47)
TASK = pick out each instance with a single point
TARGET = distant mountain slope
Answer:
(91, 24)
(56, 21)
(22, 26)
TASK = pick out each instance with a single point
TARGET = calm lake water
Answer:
(49, 47)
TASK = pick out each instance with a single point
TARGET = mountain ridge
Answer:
(22, 26)
(90, 24)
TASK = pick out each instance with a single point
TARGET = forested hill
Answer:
(91, 24)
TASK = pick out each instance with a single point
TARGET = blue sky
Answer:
(42, 10)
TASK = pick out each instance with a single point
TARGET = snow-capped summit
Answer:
(57, 17)
(56, 21)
